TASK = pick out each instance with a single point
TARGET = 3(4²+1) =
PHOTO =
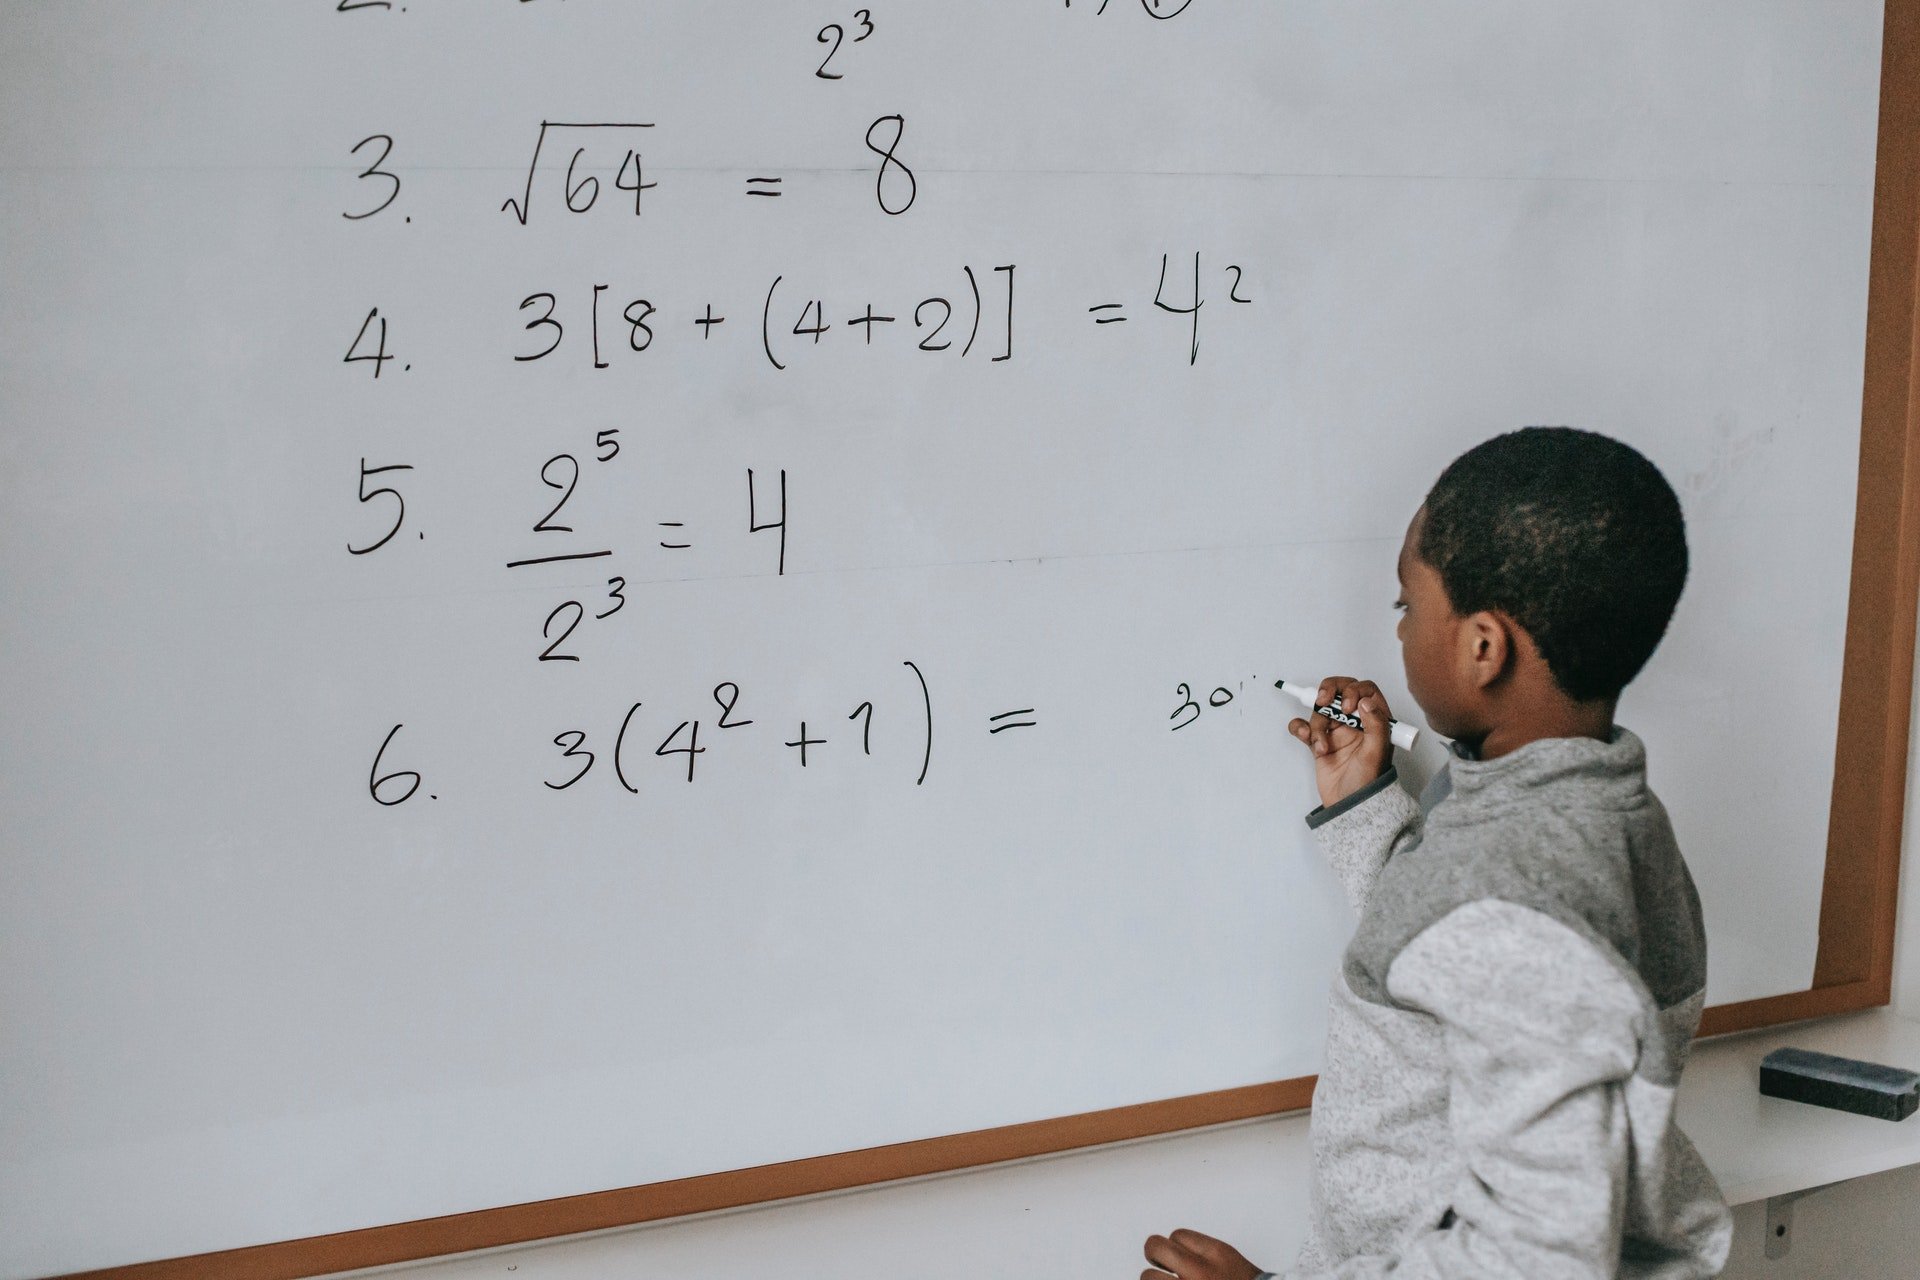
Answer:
(904, 726)
(905, 735)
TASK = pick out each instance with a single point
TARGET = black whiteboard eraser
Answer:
(1845, 1084)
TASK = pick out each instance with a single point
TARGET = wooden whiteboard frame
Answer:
(1854, 965)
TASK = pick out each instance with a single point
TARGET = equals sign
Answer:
(1011, 723)
(758, 187)
(1107, 306)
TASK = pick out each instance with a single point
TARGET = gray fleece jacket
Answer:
(1508, 1029)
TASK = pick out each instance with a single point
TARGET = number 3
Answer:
(375, 171)
(569, 751)
(546, 319)
(615, 586)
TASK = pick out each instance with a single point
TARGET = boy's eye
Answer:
(1400, 605)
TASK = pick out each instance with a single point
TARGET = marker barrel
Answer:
(1403, 734)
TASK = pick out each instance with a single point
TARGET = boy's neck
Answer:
(1557, 718)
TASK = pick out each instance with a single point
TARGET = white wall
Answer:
(1860, 1230)
(1865, 1229)
(1086, 1213)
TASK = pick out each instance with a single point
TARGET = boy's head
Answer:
(1537, 579)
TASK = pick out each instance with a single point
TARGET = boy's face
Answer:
(1430, 643)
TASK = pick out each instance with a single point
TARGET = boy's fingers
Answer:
(1365, 693)
(1330, 688)
(1344, 690)
(1168, 1256)
(1316, 733)
(1334, 736)
(1298, 728)
(1205, 1246)
(1321, 728)
(1374, 717)
(1356, 693)
(1352, 695)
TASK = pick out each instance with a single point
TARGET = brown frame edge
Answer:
(1854, 968)
(1876, 696)
(631, 1206)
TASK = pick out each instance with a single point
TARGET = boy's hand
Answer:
(1189, 1255)
(1345, 760)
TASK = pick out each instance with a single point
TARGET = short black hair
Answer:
(1575, 536)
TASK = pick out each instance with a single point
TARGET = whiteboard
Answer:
(301, 931)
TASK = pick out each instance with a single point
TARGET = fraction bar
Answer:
(575, 555)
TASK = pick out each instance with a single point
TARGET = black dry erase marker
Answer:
(1404, 735)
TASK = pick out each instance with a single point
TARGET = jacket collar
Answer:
(1611, 773)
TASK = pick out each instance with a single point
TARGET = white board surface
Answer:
(245, 1002)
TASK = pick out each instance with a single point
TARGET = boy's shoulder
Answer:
(1565, 829)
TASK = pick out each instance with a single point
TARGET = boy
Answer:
(1529, 965)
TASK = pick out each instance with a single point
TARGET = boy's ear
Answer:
(1487, 647)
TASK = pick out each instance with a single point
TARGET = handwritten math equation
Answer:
(621, 174)
(616, 149)
(553, 540)
(633, 324)
(838, 34)
(604, 324)
(632, 318)
(624, 751)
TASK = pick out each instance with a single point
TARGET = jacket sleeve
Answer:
(1361, 832)
(1541, 1035)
